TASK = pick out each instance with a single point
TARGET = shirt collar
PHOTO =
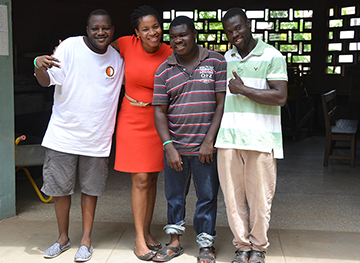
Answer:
(203, 54)
(257, 51)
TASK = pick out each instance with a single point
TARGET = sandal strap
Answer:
(205, 253)
(164, 249)
(207, 250)
(242, 253)
(257, 253)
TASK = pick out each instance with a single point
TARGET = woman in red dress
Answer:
(139, 149)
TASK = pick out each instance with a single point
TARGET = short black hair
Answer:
(233, 12)
(99, 12)
(183, 20)
(142, 11)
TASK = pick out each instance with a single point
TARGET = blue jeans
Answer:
(206, 182)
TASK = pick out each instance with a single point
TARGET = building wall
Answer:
(7, 163)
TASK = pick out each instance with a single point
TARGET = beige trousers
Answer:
(248, 180)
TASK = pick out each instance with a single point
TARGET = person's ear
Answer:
(195, 32)
(137, 33)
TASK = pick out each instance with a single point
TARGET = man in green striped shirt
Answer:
(249, 139)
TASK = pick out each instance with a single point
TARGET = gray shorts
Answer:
(60, 169)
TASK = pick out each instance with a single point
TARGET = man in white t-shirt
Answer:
(87, 73)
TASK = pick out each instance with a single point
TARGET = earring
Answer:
(138, 37)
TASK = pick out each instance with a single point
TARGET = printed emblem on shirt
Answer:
(206, 73)
(110, 71)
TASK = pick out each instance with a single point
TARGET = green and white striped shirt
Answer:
(247, 125)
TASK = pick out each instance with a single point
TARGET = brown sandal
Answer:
(146, 257)
(165, 256)
(154, 247)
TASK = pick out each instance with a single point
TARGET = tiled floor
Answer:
(315, 216)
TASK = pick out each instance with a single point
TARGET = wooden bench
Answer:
(337, 130)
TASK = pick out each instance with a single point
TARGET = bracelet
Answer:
(36, 66)
(169, 141)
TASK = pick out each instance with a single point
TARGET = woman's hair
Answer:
(183, 20)
(233, 12)
(142, 11)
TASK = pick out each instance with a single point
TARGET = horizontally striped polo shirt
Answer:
(247, 125)
(190, 97)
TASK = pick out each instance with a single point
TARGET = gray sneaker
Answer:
(56, 249)
(83, 254)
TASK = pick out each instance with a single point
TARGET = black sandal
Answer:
(205, 252)
(239, 256)
(259, 257)
(154, 247)
(165, 257)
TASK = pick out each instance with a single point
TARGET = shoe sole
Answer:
(83, 260)
(57, 254)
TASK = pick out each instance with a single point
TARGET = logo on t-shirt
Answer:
(110, 71)
(206, 73)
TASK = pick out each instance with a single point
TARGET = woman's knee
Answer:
(141, 180)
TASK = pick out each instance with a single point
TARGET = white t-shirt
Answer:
(85, 99)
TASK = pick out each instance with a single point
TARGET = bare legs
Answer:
(88, 205)
(62, 209)
(143, 195)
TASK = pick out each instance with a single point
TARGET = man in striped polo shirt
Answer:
(249, 138)
(189, 95)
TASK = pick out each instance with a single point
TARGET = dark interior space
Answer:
(39, 24)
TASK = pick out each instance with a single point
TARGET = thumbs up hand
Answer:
(236, 85)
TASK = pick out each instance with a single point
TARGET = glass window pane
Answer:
(288, 48)
(337, 70)
(277, 37)
(346, 58)
(347, 34)
(331, 12)
(303, 13)
(279, 14)
(215, 26)
(355, 22)
(301, 59)
(335, 47)
(199, 25)
(264, 25)
(354, 46)
(189, 14)
(289, 25)
(348, 10)
(307, 47)
(329, 59)
(219, 48)
(166, 26)
(331, 35)
(255, 14)
(166, 15)
(166, 37)
(334, 70)
(207, 37)
(207, 14)
(308, 25)
(336, 23)
(302, 36)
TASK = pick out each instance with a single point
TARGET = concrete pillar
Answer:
(7, 161)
